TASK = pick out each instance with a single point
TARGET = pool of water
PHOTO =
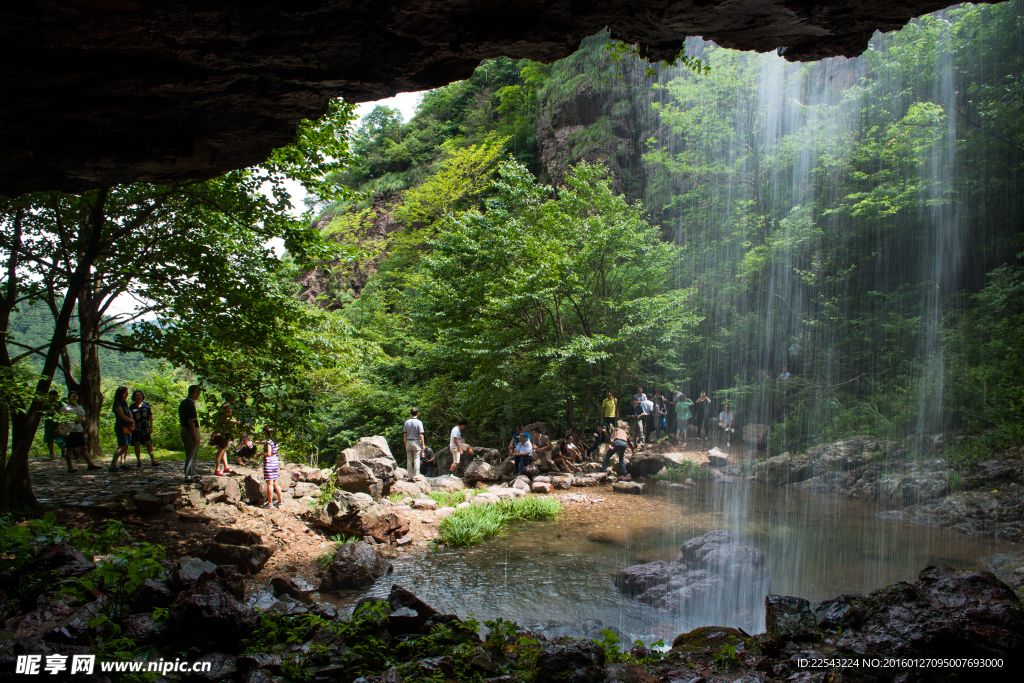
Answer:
(557, 574)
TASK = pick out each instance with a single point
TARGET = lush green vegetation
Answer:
(470, 525)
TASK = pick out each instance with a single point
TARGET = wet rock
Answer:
(188, 570)
(717, 458)
(787, 616)
(984, 513)
(401, 599)
(784, 469)
(143, 629)
(222, 668)
(567, 660)
(150, 594)
(208, 617)
(714, 575)
(479, 470)
(294, 587)
(237, 537)
(946, 613)
(66, 561)
(645, 465)
(829, 613)
(854, 452)
(541, 487)
(1008, 568)
(631, 487)
(627, 673)
(248, 559)
(356, 565)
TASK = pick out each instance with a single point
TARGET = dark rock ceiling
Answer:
(94, 92)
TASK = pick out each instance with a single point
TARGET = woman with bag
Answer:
(124, 425)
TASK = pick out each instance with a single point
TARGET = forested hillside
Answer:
(857, 221)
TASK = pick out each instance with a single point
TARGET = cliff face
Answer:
(95, 93)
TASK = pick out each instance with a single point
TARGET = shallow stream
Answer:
(561, 571)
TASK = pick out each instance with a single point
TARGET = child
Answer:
(270, 465)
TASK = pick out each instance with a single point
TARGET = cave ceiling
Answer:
(97, 92)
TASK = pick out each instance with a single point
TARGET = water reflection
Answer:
(816, 547)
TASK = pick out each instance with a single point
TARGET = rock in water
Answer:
(718, 458)
(645, 465)
(715, 578)
(633, 487)
(355, 565)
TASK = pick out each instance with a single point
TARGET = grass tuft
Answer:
(453, 498)
(680, 473)
(468, 526)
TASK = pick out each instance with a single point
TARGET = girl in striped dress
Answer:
(270, 466)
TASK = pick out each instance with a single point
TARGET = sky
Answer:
(404, 102)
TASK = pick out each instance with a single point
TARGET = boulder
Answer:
(248, 559)
(294, 587)
(151, 593)
(63, 559)
(507, 468)
(304, 490)
(645, 465)
(784, 469)
(424, 504)
(944, 614)
(718, 458)
(480, 470)
(521, 482)
(632, 487)
(222, 668)
(210, 618)
(237, 537)
(356, 514)
(255, 490)
(561, 482)
(531, 471)
(368, 448)
(358, 477)
(445, 484)
(143, 629)
(356, 565)
(407, 488)
(829, 613)
(714, 578)
(189, 570)
(788, 616)
(148, 504)
(585, 481)
(541, 487)
(568, 660)
(1008, 568)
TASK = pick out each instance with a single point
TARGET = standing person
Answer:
(610, 410)
(428, 460)
(683, 415)
(414, 443)
(620, 439)
(270, 467)
(702, 414)
(221, 437)
(74, 438)
(142, 414)
(53, 406)
(188, 417)
(124, 425)
(725, 421)
(523, 450)
(639, 395)
(647, 419)
(658, 417)
(456, 445)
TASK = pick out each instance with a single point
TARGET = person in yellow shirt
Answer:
(610, 410)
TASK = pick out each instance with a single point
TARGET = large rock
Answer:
(633, 487)
(786, 615)
(355, 565)
(356, 514)
(568, 660)
(358, 477)
(368, 448)
(996, 512)
(445, 484)
(491, 456)
(645, 465)
(210, 618)
(944, 614)
(715, 578)
(784, 469)
(248, 559)
(480, 470)
(718, 458)
(1008, 568)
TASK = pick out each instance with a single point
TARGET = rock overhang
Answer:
(98, 93)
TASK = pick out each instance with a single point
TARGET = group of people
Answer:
(64, 428)
(524, 448)
(663, 415)
(420, 459)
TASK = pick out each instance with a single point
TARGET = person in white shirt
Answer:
(647, 406)
(72, 416)
(523, 452)
(725, 420)
(457, 446)
(785, 373)
(414, 444)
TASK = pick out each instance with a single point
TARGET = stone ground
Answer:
(185, 520)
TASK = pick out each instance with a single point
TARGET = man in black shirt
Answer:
(189, 419)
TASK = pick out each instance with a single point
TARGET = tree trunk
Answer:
(90, 393)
